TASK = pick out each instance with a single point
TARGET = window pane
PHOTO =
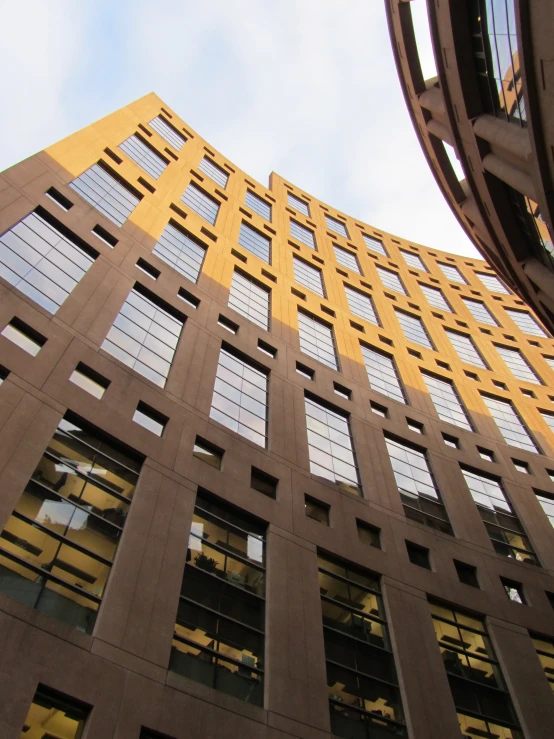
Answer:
(200, 202)
(180, 252)
(382, 374)
(317, 340)
(215, 173)
(106, 194)
(255, 242)
(250, 299)
(301, 233)
(168, 132)
(414, 329)
(143, 155)
(309, 276)
(258, 205)
(446, 401)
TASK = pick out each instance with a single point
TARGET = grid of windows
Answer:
(412, 260)
(143, 155)
(180, 252)
(361, 304)
(57, 548)
(255, 242)
(99, 188)
(414, 329)
(249, 298)
(547, 504)
(240, 397)
(382, 374)
(391, 280)
(330, 446)
(364, 698)
(548, 418)
(517, 364)
(482, 702)
(309, 276)
(503, 526)
(465, 348)
(168, 132)
(525, 322)
(492, 283)
(214, 172)
(452, 273)
(545, 651)
(435, 297)
(201, 203)
(219, 629)
(144, 336)
(374, 245)
(300, 205)
(480, 312)
(301, 233)
(317, 340)
(447, 401)
(258, 205)
(417, 487)
(509, 423)
(41, 262)
(347, 259)
(337, 226)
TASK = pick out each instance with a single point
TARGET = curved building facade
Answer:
(266, 471)
(493, 102)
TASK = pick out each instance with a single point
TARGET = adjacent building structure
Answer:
(266, 471)
(493, 102)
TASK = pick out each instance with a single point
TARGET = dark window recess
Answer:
(369, 534)
(207, 452)
(104, 236)
(451, 441)
(379, 409)
(89, 380)
(297, 293)
(316, 510)
(418, 555)
(146, 185)
(70, 714)
(514, 590)
(24, 336)
(263, 483)
(178, 210)
(209, 234)
(415, 353)
(171, 154)
(327, 310)
(357, 327)
(305, 371)
(238, 255)
(59, 199)
(149, 734)
(267, 348)
(550, 598)
(344, 392)
(151, 271)
(416, 426)
(150, 418)
(189, 298)
(145, 130)
(228, 324)
(269, 276)
(117, 159)
(466, 573)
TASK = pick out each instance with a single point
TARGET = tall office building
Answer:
(266, 472)
(492, 103)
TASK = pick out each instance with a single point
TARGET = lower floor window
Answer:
(54, 715)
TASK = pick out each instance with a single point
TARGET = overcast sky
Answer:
(306, 88)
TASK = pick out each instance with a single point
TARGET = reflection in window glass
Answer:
(145, 156)
(250, 298)
(317, 339)
(361, 304)
(255, 242)
(201, 203)
(375, 245)
(300, 205)
(525, 322)
(391, 280)
(308, 275)
(302, 234)
(54, 716)
(517, 364)
(509, 423)
(168, 132)
(258, 205)
(347, 258)
(337, 226)
(57, 548)
(219, 631)
(452, 273)
(447, 401)
(435, 297)
(181, 252)
(214, 172)
(414, 329)
(466, 349)
(492, 283)
(144, 336)
(382, 374)
(412, 260)
(545, 652)
(480, 312)
(112, 197)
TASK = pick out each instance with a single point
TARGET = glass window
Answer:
(300, 205)
(361, 304)
(435, 297)
(308, 275)
(544, 647)
(412, 260)
(452, 273)
(168, 132)
(144, 155)
(374, 245)
(219, 629)
(201, 203)
(382, 373)
(250, 298)
(258, 205)
(337, 226)
(466, 349)
(502, 523)
(42, 262)
(391, 280)
(492, 283)
(330, 444)
(214, 172)
(303, 234)
(509, 423)
(414, 329)
(57, 548)
(178, 249)
(525, 322)
(113, 197)
(364, 697)
(447, 401)
(255, 242)
(480, 312)
(548, 418)
(317, 339)
(418, 490)
(517, 364)
(53, 715)
(240, 397)
(316, 510)
(144, 336)
(347, 258)
(482, 701)
(547, 503)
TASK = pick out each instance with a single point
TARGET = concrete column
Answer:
(432, 99)
(507, 136)
(441, 131)
(541, 276)
(510, 174)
